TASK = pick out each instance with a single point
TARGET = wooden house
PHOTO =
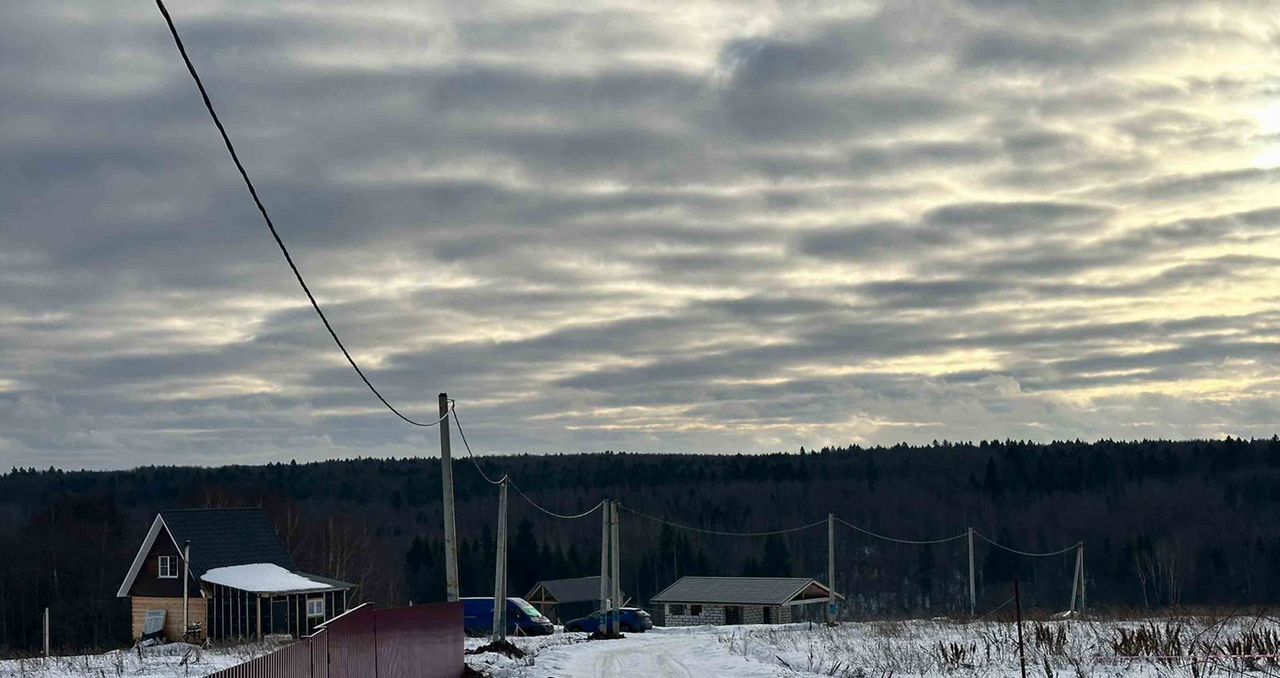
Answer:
(562, 600)
(240, 581)
(693, 601)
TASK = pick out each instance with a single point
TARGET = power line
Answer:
(550, 512)
(720, 532)
(1028, 553)
(208, 104)
(507, 478)
(918, 542)
(472, 455)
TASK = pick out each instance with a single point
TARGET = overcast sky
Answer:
(652, 226)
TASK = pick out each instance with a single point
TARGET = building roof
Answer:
(574, 590)
(219, 538)
(740, 590)
(268, 578)
(226, 537)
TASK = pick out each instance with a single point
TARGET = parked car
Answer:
(632, 620)
(522, 618)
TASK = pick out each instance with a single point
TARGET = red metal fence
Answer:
(424, 641)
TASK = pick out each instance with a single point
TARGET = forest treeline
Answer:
(1163, 523)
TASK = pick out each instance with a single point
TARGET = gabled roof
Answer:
(575, 590)
(226, 537)
(740, 590)
(219, 538)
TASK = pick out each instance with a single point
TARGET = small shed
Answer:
(693, 601)
(561, 600)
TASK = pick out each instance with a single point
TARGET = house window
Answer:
(168, 567)
(315, 607)
(695, 610)
(677, 609)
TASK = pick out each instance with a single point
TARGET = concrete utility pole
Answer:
(186, 583)
(831, 568)
(446, 478)
(973, 585)
(604, 563)
(1017, 606)
(1077, 582)
(1082, 578)
(615, 569)
(500, 574)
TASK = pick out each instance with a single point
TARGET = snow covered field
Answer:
(1161, 648)
(166, 661)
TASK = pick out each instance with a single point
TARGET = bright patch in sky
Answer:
(717, 227)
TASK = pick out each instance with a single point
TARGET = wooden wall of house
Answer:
(198, 612)
(148, 582)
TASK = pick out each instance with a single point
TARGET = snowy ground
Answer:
(1164, 648)
(166, 661)
(1191, 647)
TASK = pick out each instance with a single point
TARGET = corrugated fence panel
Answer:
(319, 657)
(424, 641)
(353, 645)
(291, 661)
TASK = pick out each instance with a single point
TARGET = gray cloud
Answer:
(728, 227)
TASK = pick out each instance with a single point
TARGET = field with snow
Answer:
(1171, 647)
(1194, 647)
(166, 661)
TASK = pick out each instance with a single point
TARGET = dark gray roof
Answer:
(226, 537)
(575, 590)
(735, 590)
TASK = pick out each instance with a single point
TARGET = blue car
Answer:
(633, 620)
(523, 619)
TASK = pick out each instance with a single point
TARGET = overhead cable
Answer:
(253, 192)
(471, 455)
(918, 542)
(1010, 549)
(507, 478)
(720, 532)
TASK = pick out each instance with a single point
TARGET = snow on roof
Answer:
(261, 578)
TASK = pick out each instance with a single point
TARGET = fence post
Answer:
(46, 632)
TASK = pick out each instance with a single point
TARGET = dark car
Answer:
(632, 620)
(522, 618)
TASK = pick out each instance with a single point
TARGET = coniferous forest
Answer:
(1165, 524)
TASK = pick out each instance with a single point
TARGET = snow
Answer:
(658, 653)
(163, 661)
(261, 578)
(935, 648)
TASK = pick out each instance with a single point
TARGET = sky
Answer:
(696, 226)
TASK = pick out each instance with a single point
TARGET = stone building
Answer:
(692, 601)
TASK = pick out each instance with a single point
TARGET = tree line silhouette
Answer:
(1165, 524)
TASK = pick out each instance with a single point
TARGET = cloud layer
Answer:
(706, 226)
